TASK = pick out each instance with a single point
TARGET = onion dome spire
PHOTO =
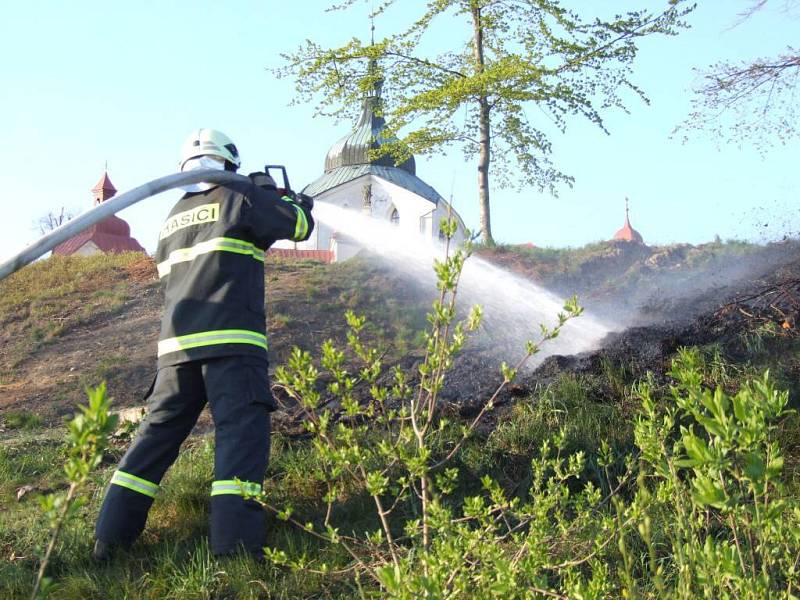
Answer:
(628, 233)
(354, 148)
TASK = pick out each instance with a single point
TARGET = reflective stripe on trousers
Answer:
(221, 244)
(212, 338)
(134, 483)
(230, 486)
(233, 388)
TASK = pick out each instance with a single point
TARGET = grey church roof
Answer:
(401, 177)
(348, 158)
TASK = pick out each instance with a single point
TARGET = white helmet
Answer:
(210, 142)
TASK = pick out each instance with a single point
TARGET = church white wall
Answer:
(88, 249)
(344, 249)
(347, 195)
(444, 212)
(417, 214)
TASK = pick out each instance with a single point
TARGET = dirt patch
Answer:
(306, 302)
(119, 349)
(143, 270)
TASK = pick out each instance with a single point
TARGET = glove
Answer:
(306, 202)
(263, 180)
(302, 200)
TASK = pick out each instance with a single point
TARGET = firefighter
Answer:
(212, 348)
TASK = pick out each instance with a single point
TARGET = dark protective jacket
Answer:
(210, 260)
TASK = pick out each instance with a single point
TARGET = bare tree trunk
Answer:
(483, 175)
(484, 128)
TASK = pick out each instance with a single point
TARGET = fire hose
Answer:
(105, 209)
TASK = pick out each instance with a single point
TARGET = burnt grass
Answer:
(741, 307)
(738, 300)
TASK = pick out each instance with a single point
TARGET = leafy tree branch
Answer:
(504, 55)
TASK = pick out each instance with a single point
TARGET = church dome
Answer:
(113, 225)
(627, 233)
(353, 149)
(103, 189)
(348, 159)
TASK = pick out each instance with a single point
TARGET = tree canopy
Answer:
(496, 80)
(752, 100)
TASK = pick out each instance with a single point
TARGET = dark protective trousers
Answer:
(237, 390)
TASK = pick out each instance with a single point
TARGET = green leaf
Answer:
(739, 408)
(696, 448)
(754, 466)
(774, 467)
(707, 493)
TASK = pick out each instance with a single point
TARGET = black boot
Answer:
(104, 552)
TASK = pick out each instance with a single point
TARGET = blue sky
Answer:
(89, 82)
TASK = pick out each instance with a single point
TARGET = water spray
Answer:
(513, 306)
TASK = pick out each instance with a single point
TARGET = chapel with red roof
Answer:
(109, 235)
(628, 233)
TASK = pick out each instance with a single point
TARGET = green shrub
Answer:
(698, 508)
(711, 479)
(88, 434)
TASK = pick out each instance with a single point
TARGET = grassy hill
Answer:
(66, 323)
(69, 322)
(649, 280)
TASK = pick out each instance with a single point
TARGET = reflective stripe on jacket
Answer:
(210, 260)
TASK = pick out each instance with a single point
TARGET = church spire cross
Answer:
(372, 67)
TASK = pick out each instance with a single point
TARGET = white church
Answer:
(378, 188)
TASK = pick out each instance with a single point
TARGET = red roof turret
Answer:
(104, 189)
(628, 233)
(109, 235)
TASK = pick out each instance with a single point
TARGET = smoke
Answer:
(513, 306)
(675, 284)
(624, 285)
